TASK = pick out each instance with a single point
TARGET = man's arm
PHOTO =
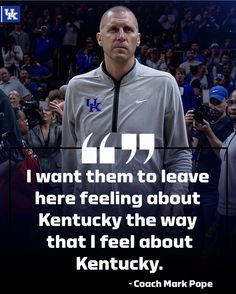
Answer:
(213, 140)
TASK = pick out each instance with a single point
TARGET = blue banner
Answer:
(10, 14)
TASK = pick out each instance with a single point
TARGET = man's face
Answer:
(195, 46)
(90, 46)
(26, 59)
(226, 70)
(14, 99)
(231, 102)
(44, 32)
(217, 107)
(190, 54)
(119, 36)
(144, 49)
(202, 69)
(4, 75)
(179, 76)
(24, 74)
(225, 59)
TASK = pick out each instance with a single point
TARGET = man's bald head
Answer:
(117, 9)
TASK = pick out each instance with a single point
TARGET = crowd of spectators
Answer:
(53, 43)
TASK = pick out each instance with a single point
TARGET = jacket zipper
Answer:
(116, 97)
(115, 106)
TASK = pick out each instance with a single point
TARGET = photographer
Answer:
(12, 56)
(226, 151)
(206, 159)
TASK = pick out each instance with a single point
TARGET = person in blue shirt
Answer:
(84, 58)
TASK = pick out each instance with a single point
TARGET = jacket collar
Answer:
(127, 77)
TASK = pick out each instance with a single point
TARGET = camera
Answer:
(44, 105)
(202, 112)
(30, 104)
(30, 109)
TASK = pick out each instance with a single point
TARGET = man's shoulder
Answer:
(231, 139)
(223, 127)
(86, 76)
(13, 79)
(148, 71)
(225, 120)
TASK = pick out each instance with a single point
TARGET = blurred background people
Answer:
(12, 55)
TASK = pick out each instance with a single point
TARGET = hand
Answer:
(189, 118)
(202, 127)
(162, 58)
(61, 105)
(55, 107)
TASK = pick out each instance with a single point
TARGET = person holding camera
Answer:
(206, 159)
(226, 208)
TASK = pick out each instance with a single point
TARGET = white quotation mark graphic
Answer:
(128, 142)
(89, 154)
(107, 154)
(146, 142)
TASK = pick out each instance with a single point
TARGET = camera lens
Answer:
(202, 113)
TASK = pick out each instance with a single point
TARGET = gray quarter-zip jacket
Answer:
(143, 101)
